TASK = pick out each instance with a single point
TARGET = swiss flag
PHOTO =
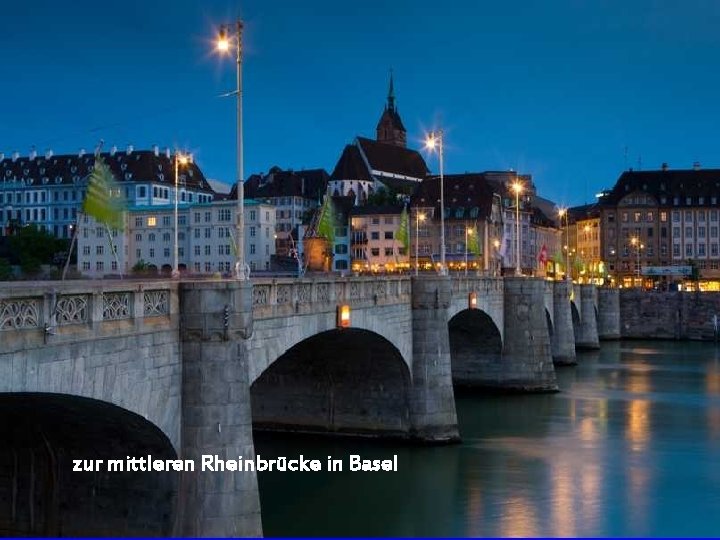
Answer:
(542, 257)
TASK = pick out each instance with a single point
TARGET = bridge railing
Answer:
(68, 308)
(286, 296)
(478, 284)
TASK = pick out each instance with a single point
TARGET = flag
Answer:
(473, 241)
(402, 235)
(326, 222)
(104, 200)
(543, 256)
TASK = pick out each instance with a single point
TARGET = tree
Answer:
(383, 197)
(32, 247)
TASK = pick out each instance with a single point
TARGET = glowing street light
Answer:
(468, 231)
(517, 187)
(563, 212)
(223, 46)
(433, 140)
(419, 216)
(180, 159)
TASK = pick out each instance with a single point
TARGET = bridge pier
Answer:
(587, 337)
(608, 313)
(216, 321)
(563, 338)
(432, 400)
(527, 360)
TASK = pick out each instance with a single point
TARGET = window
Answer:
(138, 222)
(86, 265)
(688, 201)
(375, 235)
(166, 237)
(713, 231)
(676, 215)
(650, 216)
(207, 217)
(166, 221)
(688, 232)
(224, 214)
(138, 237)
(688, 250)
(624, 217)
(152, 253)
(713, 250)
(100, 266)
(389, 220)
(676, 232)
(637, 217)
(252, 215)
(207, 250)
(252, 232)
(151, 237)
(701, 232)
(663, 216)
(152, 221)
(701, 215)
(208, 232)
(196, 217)
(341, 249)
(375, 252)
(713, 215)
(252, 249)
(197, 250)
(341, 265)
(688, 215)
(86, 250)
(388, 252)
(676, 250)
(375, 221)
(388, 235)
(166, 252)
(701, 250)
(138, 253)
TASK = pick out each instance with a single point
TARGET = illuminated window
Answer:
(152, 221)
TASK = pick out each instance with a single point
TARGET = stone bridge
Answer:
(104, 370)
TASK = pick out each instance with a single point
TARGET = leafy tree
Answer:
(31, 247)
(383, 196)
(5, 270)
(140, 267)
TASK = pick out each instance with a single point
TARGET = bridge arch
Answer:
(46, 497)
(475, 348)
(349, 380)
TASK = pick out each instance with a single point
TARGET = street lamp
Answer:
(435, 139)
(419, 216)
(496, 245)
(563, 212)
(468, 231)
(517, 187)
(635, 241)
(180, 159)
(223, 45)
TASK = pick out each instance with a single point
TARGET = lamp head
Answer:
(223, 41)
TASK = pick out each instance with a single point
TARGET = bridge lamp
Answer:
(181, 160)
(517, 188)
(472, 300)
(343, 316)
(435, 140)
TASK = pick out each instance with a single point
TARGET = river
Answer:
(629, 447)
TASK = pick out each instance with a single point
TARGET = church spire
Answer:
(391, 93)
(390, 129)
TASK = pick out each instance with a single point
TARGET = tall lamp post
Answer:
(224, 46)
(517, 187)
(468, 231)
(496, 245)
(419, 216)
(435, 139)
(563, 213)
(635, 241)
(180, 159)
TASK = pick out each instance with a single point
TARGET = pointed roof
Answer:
(392, 159)
(351, 166)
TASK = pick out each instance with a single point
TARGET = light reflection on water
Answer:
(627, 448)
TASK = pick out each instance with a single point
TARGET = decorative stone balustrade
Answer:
(286, 296)
(478, 284)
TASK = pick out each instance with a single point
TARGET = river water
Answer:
(629, 447)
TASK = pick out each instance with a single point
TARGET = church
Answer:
(368, 165)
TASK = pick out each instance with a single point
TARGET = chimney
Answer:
(696, 165)
(129, 149)
(48, 153)
(81, 153)
(664, 166)
(15, 156)
(156, 150)
(33, 153)
(167, 152)
(113, 150)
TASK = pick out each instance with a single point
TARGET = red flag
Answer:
(542, 257)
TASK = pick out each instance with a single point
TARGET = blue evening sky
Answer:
(557, 89)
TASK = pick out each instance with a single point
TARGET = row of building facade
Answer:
(653, 228)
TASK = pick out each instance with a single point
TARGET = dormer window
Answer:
(123, 166)
(58, 179)
(128, 176)
(45, 180)
(73, 169)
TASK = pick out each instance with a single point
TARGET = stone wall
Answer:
(668, 315)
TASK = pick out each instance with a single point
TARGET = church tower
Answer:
(390, 129)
